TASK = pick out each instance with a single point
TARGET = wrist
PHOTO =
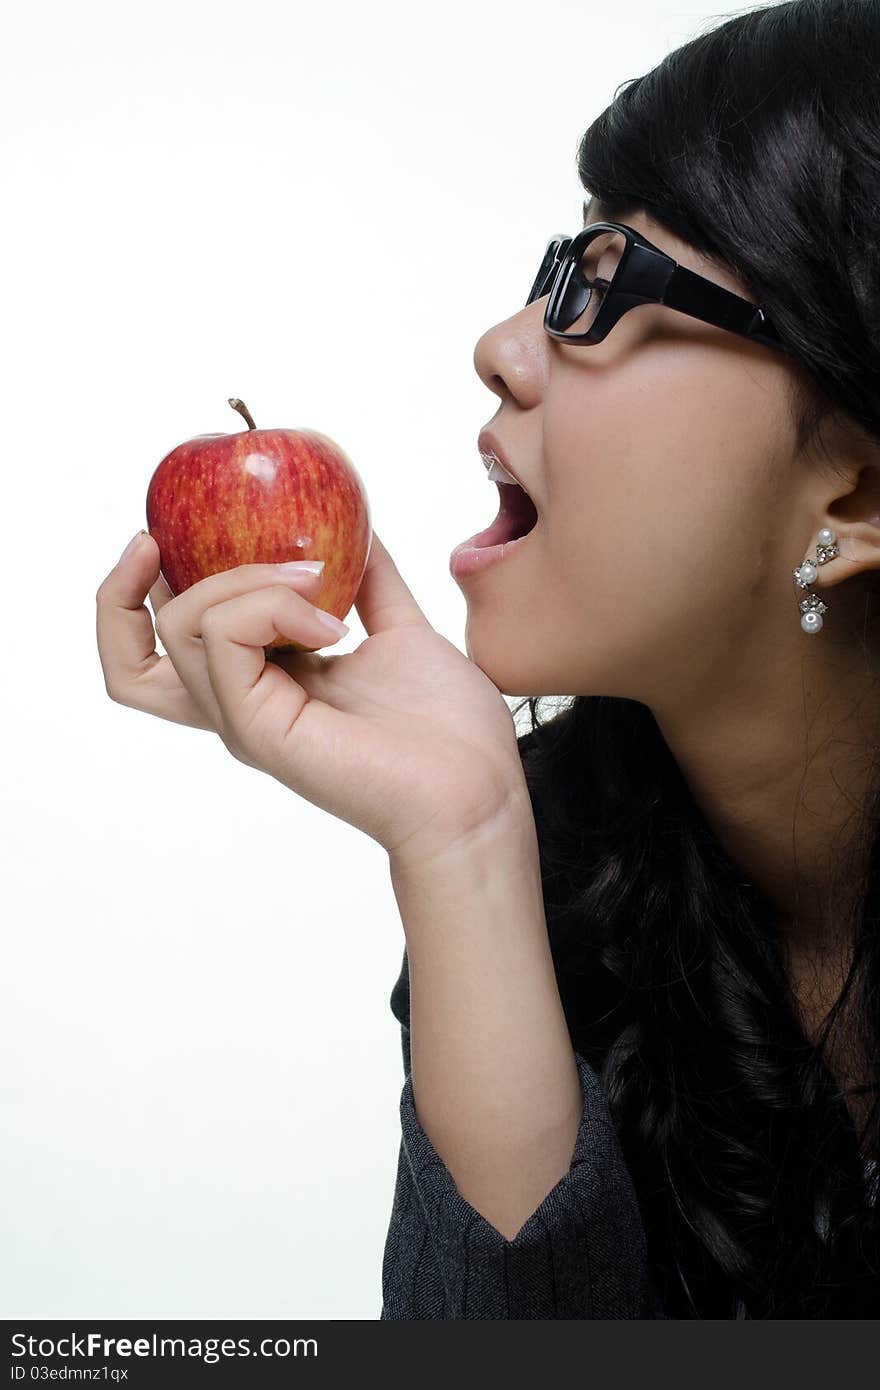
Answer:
(506, 828)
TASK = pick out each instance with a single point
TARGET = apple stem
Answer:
(242, 410)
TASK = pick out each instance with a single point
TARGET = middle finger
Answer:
(179, 622)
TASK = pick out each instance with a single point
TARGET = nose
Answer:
(511, 358)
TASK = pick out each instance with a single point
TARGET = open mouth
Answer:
(517, 516)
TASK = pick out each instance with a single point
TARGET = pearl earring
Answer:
(812, 607)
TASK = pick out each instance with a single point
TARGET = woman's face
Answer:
(662, 465)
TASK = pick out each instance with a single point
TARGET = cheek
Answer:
(659, 493)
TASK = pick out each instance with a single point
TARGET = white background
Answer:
(318, 208)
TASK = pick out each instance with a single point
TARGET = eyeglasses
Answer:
(608, 268)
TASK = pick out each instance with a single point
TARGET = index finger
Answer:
(126, 640)
(384, 600)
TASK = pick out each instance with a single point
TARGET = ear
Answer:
(854, 517)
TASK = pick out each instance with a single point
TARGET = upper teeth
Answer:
(497, 472)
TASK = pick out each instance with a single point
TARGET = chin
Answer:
(505, 667)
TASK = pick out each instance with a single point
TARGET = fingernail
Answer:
(301, 567)
(131, 545)
(329, 621)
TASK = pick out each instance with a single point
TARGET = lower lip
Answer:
(469, 559)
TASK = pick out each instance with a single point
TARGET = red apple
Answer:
(261, 497)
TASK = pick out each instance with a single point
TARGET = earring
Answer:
(812, 607)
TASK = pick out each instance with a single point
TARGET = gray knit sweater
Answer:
(581, 1254)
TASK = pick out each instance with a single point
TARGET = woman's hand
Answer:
(404, 738)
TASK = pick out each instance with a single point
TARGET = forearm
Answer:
(494, 1076)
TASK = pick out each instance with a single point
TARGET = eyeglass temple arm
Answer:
(711, 303)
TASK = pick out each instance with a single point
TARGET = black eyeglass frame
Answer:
(644, 275)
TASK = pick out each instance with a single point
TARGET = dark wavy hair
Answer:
(759, 143)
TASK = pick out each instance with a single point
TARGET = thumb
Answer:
(383, 600)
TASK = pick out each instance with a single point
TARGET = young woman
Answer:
(640, 993)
